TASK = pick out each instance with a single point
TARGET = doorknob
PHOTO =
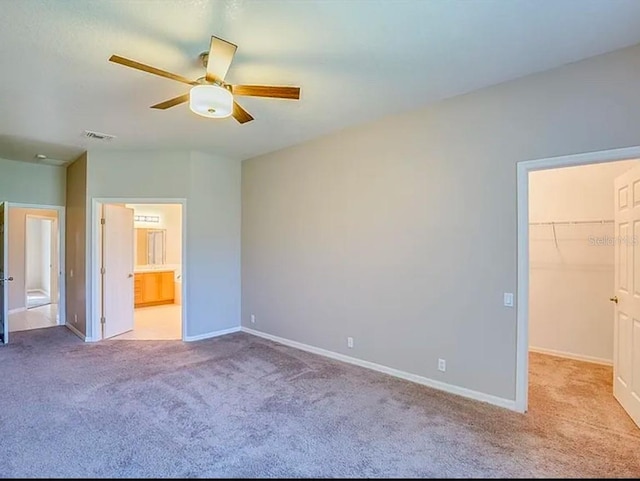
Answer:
(614, 299)
(130, 276)
(7, 279)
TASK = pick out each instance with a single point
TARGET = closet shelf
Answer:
(553, 225)
(573, 222)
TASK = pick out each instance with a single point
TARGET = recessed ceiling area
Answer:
(355, 61)
(28, 150)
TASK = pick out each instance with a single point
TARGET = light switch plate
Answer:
(508, 299)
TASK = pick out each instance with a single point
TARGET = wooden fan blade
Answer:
(240, 114)
(171, 102)
(220, 57)
(272, 91)
(146, 68)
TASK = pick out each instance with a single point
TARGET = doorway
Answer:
(571, 260)
(40, 261)
(569, 266)
(32, 264)
(139, 264)
(34, 260)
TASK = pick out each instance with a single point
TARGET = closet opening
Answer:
(583, 282)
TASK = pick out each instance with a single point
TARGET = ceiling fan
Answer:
(210, 96)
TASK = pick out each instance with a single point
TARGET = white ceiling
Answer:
(356, 60)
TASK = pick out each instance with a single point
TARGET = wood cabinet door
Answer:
(167, 286)
(150, 287)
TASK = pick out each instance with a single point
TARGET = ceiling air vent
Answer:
(90, 134)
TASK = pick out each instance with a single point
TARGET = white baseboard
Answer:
(17, 309)
(37, 291)
(570, 355)
(76, 332)
(442, 386)
(209, 335)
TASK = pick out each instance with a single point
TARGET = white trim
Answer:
(4, 286)
(522, 192)
(570, 355)
(17, 309)
(91, 339)
(425, 381)
(93, 320)
(209, 335)
(62, 239)
(76, 332)
(21, 205)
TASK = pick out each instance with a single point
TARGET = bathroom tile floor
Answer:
(155, 323)
(35, 318)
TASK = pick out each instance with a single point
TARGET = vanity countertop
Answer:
(141, 269)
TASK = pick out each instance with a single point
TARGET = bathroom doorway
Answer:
(139, 260)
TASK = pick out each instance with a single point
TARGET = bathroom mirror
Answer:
(150, 246)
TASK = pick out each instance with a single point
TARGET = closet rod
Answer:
(571, 222)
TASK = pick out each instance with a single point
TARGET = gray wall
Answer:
(213, 244)
(211, 186)
(28, 183)
(76, 244)
(402, 233)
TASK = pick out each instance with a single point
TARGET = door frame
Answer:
(62, 287)
(96, 248)
(522, 195)
(4, 288)
(52, 275)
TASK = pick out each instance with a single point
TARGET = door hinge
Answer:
(103, 270)
(102, 221)
(103, 320)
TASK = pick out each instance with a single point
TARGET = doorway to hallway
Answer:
(32, 266)
(40, 261)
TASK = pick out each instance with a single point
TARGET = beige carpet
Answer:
(241, 406)
(576, 393)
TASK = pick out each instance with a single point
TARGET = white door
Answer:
(626, 340)
(4, 276)
(117, 278)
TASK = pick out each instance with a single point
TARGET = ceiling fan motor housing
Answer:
(204, 58)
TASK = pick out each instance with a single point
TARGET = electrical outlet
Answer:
(442, 365)
(350, 342)
(253, 318)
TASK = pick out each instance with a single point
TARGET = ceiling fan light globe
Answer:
(211, 101)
